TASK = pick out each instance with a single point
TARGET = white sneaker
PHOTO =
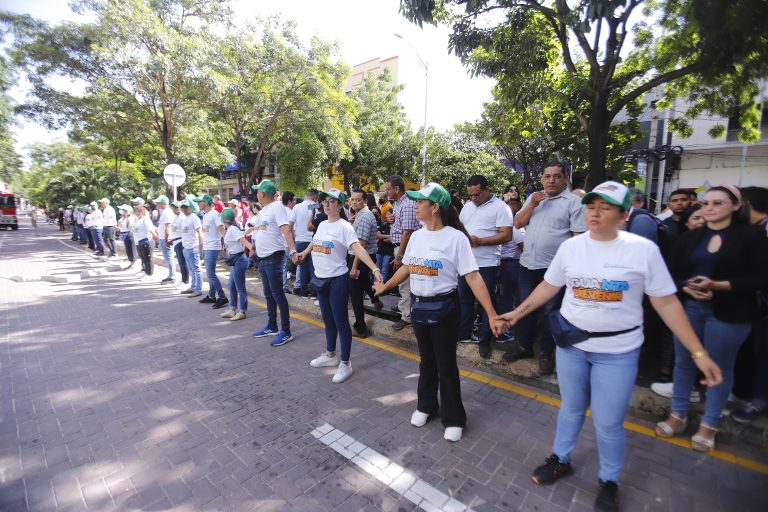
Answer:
(325, 359)
(419, 419)
(238, 316)
(317, 302)
(453, 434)
(228, 313)
(665, 389)
(343, 373)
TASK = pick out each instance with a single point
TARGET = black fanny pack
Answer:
(231, 259)
(318, 284)
(567, 334)
(432, 310)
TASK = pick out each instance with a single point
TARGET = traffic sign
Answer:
(175, 176)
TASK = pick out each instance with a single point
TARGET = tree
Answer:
(141, 54)
(692, 46)
(10, 162)
(386, 140)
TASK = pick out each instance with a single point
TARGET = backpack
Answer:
(664, 239)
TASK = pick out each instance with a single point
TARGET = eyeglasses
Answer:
(328, 202)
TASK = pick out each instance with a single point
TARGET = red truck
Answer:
(8, 217)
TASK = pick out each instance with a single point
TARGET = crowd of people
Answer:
(608, 276)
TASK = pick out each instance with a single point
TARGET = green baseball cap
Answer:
(137, 200)
(86, 208)
(205, 197)
(161, 199)
(176, 204)
(334, 193)
(228, 215)
(612, 192)
(266, 186)
(434, 192)
(185, 202)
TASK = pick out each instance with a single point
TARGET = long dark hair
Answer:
(450, 217)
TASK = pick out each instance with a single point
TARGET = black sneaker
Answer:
(608, 497)
(551, 470)
(546, 364)
(484, 348)
(220, 303)
(517, 352)
(400, 325)
(167, 280)
(207, 300)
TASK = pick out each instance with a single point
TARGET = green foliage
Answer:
(10, 162)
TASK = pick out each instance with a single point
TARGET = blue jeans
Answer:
(602, 382)
(130, 245)
(168, 256)
(528, 280)
(75, 234)
(304, 271)
(214, 284)
(334, 298)
(98, 240)
(722, 340)
(179, 250)
(237, 293)
(383, 262)
(272, 269)
(760, 379)
(193, 264)
(467, 304)
(83, 236)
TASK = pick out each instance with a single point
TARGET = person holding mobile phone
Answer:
(719, 270)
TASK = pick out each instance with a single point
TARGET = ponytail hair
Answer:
(450, 217)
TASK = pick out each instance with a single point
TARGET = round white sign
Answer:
(174, 175)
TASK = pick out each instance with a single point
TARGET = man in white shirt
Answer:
(110, 225)
(164, 230)
(80, 223)
(298, 220)
(213, 231)
(366, 229)
(273, 234)
(489, 224)
(97, 228)
(192, 243)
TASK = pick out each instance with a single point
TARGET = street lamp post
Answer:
(425, 66)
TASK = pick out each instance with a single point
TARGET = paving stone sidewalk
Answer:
(120, 394)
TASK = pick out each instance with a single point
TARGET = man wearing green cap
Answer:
(164, 231)
(110, 224)
(192, 243)
(213, 231)
(97, 228)
(273, 234)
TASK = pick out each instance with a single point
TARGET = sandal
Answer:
(665, 430)
(703, 444)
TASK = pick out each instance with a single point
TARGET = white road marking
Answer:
(397, 478)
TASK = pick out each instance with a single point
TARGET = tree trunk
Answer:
(597, 136)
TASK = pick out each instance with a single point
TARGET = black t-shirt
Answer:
(384, 248)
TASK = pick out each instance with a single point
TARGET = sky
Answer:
(365, 30)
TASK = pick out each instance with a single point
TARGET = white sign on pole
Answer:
(175, 176)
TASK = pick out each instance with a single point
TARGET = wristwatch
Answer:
(292, 252)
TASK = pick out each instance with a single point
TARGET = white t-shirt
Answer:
(605, 283)
(300, 218)
(268, 238)
(189, 227)
(97, 219)
(484, 221)
(329, 248)
(142, 226)
(176, 226)
(166, 217)
(126, 224)
(211, 235)
(510, 249)
(110, 217)
(88, 221)
(436, 259)
(232, 239)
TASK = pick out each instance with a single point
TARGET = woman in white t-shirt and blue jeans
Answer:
(329, 246)
(598, 331)
(235, 244)
(435, 258)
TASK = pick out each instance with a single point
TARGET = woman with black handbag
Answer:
(329, 246)
(235, 244)
(606, 273)
(433, 261)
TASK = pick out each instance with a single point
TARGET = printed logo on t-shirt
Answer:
(263, 226)
(323, 247)
(598, 290)
(424, 267)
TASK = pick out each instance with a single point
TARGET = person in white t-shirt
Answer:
(173, 242)
(213, 231)
(143, 229)
(489, 224)
(192, 243)
(126, 233)
(235, 244)
(164, 231)
(598, 331)
(273, 235)
(436, 258)
(97, 228)
(110, 224)
(332, 240)
(299, 218)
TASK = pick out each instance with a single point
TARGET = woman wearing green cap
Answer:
(433, 261)
(235, 244)
(598, 331)
(329, 247)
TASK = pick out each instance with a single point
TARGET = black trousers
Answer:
(439, 371)
(91, 241)
(145, 253)
(357, 290)
(179, 250)
(108, 234)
